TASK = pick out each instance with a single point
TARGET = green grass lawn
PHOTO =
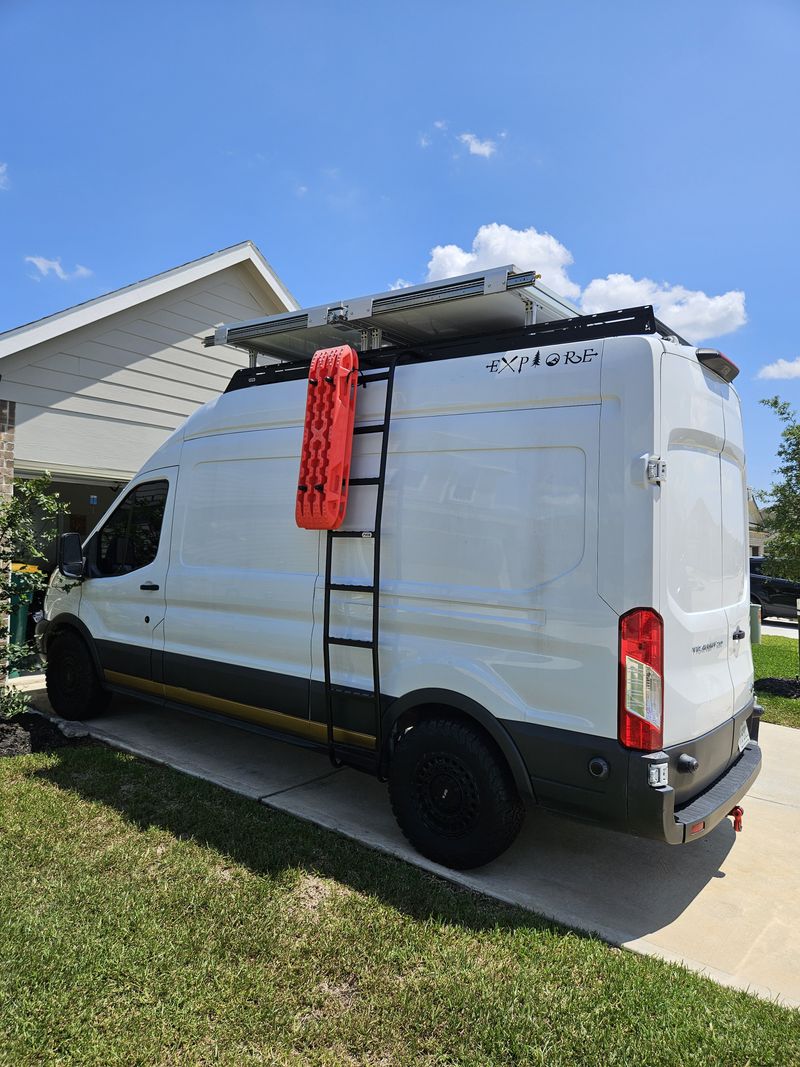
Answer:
(147, 918)
(776, 657)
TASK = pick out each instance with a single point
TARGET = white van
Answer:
(539, 594)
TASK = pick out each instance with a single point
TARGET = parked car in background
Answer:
(776, 596)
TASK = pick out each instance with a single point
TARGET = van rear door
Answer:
(700, 532)
(735, 548)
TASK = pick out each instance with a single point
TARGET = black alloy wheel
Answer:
(453, 794)
(446, 794)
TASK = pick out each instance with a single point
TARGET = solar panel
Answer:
(484, 302)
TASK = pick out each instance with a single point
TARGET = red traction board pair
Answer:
(327, 439)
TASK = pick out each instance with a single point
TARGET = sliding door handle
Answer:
(149, 587)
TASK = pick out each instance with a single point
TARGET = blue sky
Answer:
(652, 140)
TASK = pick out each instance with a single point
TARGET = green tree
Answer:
(27, 523)
(782, 500)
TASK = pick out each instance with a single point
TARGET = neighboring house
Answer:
(89, 393)
(756, 524)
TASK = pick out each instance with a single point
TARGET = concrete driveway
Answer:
(779, 628)
(724, 905)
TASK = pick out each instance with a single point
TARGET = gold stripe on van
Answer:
(130, 681)
(277, 720)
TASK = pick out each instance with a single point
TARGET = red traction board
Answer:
(327, 439)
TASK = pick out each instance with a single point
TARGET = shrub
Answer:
(27, 524)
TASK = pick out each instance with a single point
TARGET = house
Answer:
(755, 519)
(89, 393)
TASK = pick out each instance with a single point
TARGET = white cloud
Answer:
(300, 190)
(5, 181)
(496, 244)
(781, 368)
(400, 283)
(424, 140)
(440, 124)
(476, 146)
(690, 312)
(53, 266)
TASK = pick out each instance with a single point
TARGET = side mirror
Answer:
(70, 556)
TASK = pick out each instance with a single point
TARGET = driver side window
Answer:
(129, 538)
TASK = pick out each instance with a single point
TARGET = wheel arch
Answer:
(64, 622)
(408, 709)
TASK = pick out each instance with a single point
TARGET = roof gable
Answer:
(100, 307)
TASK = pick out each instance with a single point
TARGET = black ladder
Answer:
(333, 691)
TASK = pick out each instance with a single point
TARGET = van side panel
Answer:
(489, 545)
(242, 575)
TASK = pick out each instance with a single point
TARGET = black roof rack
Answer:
(625, 322)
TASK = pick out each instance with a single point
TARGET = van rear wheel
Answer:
(73, 686)
(453, 794)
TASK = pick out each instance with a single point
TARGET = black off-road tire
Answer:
(453, 794)
(73, 686)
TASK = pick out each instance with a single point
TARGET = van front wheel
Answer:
(73, 687)
(453, 795)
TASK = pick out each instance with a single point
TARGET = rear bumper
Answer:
(658, 816)
(706, 777)
(706, 795)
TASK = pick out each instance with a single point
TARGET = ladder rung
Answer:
(365, 481)
(380, 376)
(351, 587)
(368, 535)
(348, 691)
(354, 642)
(377, 428)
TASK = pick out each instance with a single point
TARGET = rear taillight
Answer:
(641, 680)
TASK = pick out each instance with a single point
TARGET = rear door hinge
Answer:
(656, 470)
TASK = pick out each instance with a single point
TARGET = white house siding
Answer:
(97, 401)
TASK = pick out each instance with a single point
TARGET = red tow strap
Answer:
(327, 439)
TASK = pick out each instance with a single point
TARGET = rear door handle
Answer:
(738, 635)
(149, 587)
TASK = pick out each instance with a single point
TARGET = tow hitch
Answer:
(737, 814)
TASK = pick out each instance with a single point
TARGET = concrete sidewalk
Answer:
(725, 905)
